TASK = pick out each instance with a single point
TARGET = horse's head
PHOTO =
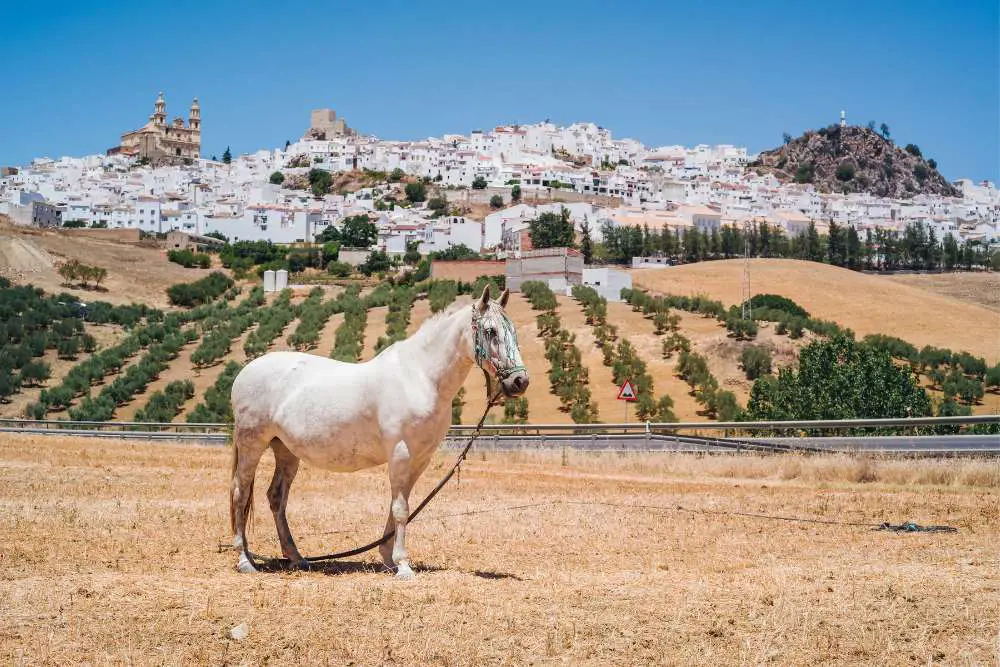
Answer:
(495, 344)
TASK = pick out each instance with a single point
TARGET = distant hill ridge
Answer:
(854, 159)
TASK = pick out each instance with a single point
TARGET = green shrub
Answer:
(756, 361)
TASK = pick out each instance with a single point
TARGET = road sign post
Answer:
(628, 394)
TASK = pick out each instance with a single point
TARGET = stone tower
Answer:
(160, 116)
(194, 118)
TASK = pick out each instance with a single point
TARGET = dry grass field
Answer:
(136, 273)
(109, 555)
(867, 304)
(979, 288)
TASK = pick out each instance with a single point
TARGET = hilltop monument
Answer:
(324, 124)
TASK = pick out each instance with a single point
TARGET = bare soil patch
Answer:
(109, 554)
(136, 272)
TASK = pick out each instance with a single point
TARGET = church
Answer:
(163, 143)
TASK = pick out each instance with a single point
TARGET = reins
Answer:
(284, 563)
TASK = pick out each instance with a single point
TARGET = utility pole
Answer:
(746, 310)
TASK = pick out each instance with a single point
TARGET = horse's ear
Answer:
(484, 300)
(503, 298)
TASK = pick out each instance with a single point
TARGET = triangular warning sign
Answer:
(627, 392)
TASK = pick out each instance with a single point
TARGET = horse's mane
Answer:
(428, 331)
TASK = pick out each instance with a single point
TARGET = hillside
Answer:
(853, 159)
(136, 272)
(865, 303)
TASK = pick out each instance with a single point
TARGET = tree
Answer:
(756, 361)
(515, 193)
(814, 248)
(884, 129)
(839, 378)
(913, 149)
(725, 406)
(836, 245)
(845, 171)
(277, 178)
(479, 183)
(804, 173)
(339, 269)
(227, 157)
(993, 377)
(329, 235)
(853, 249)
(330, 252)
(377, 262)
(358, 232)
(320, 180)
(871, 125)
(496, 201)
(97, 274)
(416, 192)
(439, 205)
(552, 230)
(786, 138)
(950, 252)
(586, 246)
(932, 163)
(412, 255)
(396, 175)
(455, 252)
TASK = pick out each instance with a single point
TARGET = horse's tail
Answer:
(234, 481)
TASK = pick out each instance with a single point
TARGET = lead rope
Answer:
(282, 563)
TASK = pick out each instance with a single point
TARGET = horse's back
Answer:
(267, 382)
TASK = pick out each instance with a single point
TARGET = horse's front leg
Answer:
(403, 474)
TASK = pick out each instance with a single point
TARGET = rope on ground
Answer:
(908, 527)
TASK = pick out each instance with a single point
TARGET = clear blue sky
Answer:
(75, 75)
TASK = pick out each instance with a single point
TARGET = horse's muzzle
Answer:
(515, 384)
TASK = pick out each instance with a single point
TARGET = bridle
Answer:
(487, 352)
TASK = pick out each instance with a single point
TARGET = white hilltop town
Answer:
(157, 181)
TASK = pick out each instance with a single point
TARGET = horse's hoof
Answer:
(404, 573)
(245, 566)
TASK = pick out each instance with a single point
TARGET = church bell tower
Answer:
(161, 110)
(194, 118)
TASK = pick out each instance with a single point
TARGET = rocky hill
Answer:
(854, 159)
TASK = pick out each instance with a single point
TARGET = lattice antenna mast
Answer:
(746, 311)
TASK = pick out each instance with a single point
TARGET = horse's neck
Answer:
(443, 355)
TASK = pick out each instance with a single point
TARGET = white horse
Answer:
(395, 408)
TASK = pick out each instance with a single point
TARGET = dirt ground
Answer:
(867, 304)
(109, 554)
(136, 273)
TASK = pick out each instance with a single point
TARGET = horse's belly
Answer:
(341, 450)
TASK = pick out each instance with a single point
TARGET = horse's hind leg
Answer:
(286, 465)
(247, 450)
